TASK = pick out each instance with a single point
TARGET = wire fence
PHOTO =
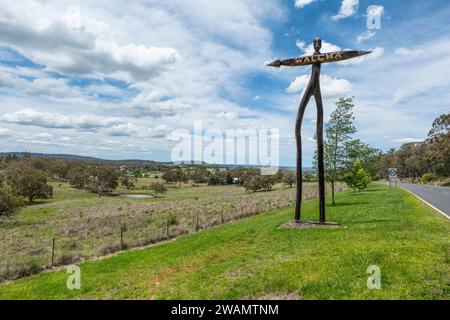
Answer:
(76, 243)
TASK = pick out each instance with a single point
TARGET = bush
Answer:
(8, 201)
(358, 178)
(429, 177)
(258, 183)
(157, 188)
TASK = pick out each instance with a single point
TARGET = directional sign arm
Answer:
(319, 58)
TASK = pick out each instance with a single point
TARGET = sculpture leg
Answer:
(298, 137)
(320, 152)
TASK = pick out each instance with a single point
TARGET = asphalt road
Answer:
(437, 196)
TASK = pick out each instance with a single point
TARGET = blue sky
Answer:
(100, 79)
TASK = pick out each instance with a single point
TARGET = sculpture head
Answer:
(317, 44)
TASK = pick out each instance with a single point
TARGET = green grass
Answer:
(254, 258)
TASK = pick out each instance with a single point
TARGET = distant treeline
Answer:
(429, 159)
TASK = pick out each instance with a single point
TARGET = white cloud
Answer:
(132, 130)
(303, 3)
(331, 87)
(348, 9)
(407, 140)
(402, 51)
(57, 121)
(44, 136)
(5, 132)
(377, 53)
(40, 31)
(309, 49)
(52, 87)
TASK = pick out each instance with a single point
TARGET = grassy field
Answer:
(85, 225)
(254, 258)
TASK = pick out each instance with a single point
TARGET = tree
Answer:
(415, 159)
(359, 151)
(220, 178)
(358, 178)
(28, 182)
(157, 188)
(175, 175)
(257, 183)
(107, 179)
(252, 184)
(79, 177)
(8, 201)
(199, 175)
(289, 178)
(127, 182)
(338, 132)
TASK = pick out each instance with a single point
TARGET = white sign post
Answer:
(392, 177)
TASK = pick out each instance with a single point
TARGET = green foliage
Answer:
(264, 260)
(199, 175)
(157, 188)
(107, 179)
(172, 219)
(127, 182)
(79, 177)
(289, 178)
(28, 182)
(338, 131)
(429, 177)
(175, 175)
(8, 201)
(415, 159)
(259, 183)
(220, 178)
(358, 178)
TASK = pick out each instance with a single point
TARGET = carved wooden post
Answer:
(313, 89)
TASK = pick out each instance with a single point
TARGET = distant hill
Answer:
(84, 158)
(135, 162)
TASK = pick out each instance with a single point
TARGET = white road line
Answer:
(429, 204)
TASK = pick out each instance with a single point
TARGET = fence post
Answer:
(221, 215)
(53, 251)
(197, 227)
(167, 228)
(121, 238)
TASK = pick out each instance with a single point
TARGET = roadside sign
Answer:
(392, 173)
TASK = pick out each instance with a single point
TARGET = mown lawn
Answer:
(254, 258)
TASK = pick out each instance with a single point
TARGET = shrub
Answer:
(8, 201)
(429, 177)
(157, 188)
(358, 178)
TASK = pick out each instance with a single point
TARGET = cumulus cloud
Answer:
(31, 117)
(86, 50)
(303, 3)
(402, 51)
(5, 132)
(309, 49)
(331, 87)
(52, 87)
(348, 8)
(132, 130)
